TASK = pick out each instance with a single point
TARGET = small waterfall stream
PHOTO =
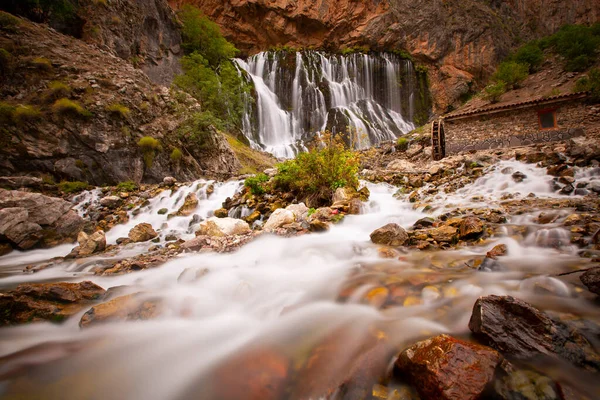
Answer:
(275, 295)
(368, 97)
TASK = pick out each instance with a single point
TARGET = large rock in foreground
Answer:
(446, 368)
(519, 330)
(30, 220)
(46, 301)
(223, 227)
(390, 235)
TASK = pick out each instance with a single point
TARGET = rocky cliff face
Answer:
(461, 41)
(144, 32)
(107, 105)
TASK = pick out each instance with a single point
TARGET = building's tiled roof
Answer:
(522, 104)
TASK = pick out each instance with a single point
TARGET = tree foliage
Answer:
(203, 36)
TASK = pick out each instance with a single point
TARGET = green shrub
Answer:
(176, 155)
(196, 129)
(42, 63)
(149, 147)
(6, 113)
(221, 93)
(578, 44)
(24, 113)
(8, 22)
(73, 187)
(57, 89)
(255, 183)
(315, 175)
(494, 91)
(127, 186)
(118, 110)
(511, 73)
(201, 35)
(530, 54)
(402, 144)
(590, 83)
(65, 106)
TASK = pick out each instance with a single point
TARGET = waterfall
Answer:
(367, 97)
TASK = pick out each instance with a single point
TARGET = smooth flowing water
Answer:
(299, 94)
(277, 295)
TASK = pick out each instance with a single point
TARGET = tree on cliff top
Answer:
(202, 35)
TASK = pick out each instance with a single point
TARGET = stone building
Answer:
(516, 124)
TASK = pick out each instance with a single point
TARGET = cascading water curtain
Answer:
(368, 97)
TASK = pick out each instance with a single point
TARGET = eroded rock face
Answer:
(390, 235)
(29, 219)
(519, 330)
(223, 227)
(446, 368)
(46, 301)
(460, 41)
(90, 244)
(142, 233)
(99, 146)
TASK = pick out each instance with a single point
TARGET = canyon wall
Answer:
(460, 41)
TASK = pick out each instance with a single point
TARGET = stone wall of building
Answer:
(511, 128)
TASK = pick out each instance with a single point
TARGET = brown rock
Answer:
(498, 251)
(519, 330)
(446, 368)
(189, 205)
(389, 235)
(471, 228)
(223, 213)
(443, 234)
(252, 217)
(90, 244)
(355, 207)
(256, 374)
(132, 307)
(591, 279)
(547, 218)
(46, 301)
(142, 233)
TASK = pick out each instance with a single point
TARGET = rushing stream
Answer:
(282, 294)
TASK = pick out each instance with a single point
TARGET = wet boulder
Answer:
(46, 301)
(133, 307)
(447, 368)
(518, 176)
(90, 244)
(517, 329)
(221, 213)
(189, 205)
(490, 262)
(110, 201)
(220, 227)
(443, 234)
(591, 279)
(389, 235)
(278, 219)
(142, 233)
(471, 228)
